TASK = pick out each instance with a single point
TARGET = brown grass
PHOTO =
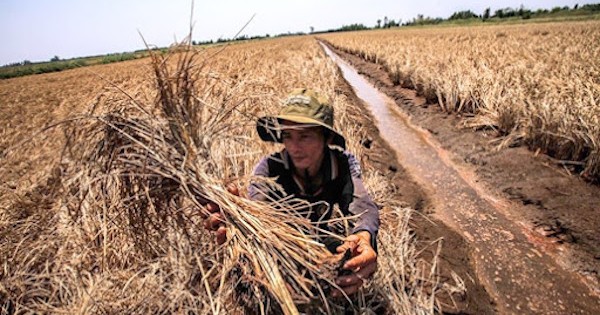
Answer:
(100, 213)
(535, 84)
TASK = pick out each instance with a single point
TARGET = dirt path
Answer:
(517, 251)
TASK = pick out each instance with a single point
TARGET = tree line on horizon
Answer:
(506, 13)
(487, 15)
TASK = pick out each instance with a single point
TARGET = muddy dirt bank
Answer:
(559, 212)
(454, 256)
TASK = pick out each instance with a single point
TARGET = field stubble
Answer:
(78, 240)
(537, 84)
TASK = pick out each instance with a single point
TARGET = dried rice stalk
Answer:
(116, 227)
(151, 167)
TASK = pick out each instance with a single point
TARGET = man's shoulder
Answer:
(274, 162)
(350, 159)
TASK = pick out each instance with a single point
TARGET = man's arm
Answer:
(363, 241)
(261, 169)
(214, 220)
(362, 204)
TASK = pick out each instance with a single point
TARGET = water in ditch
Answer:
(521, 277)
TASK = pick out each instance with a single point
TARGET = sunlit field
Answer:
(537, 84)
(103, 167)
(97, 197)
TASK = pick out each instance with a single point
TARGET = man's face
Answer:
(304, 145)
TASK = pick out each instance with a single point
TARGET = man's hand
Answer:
(214, 220)
(362, 264)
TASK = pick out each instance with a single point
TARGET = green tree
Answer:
(463, 15)
(486, 13)
(499, 13)
(591, 7)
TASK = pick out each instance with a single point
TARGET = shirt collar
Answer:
(330, 163)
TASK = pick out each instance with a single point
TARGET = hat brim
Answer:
(269, 128)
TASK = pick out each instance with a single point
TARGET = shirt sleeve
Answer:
(261, 169)
(362, 204)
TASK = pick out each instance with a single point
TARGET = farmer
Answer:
(313, 166)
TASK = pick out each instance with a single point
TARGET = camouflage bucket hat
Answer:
(304, 107)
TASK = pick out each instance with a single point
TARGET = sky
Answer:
(37, 30)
